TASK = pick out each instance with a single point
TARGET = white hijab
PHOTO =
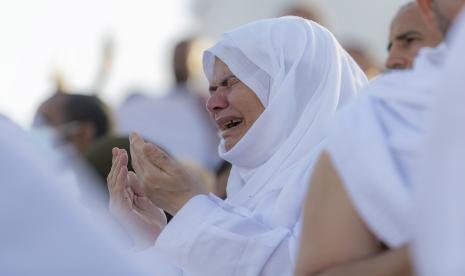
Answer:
(374, 143)
(302, 76)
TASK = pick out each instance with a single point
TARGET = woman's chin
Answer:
(228, 144)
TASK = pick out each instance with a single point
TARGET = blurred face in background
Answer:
(409, 33)
(232, 105)
(51, 115)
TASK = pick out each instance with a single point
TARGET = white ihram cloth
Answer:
(439, 240)
(374, 143)
(43, 231)
(302, 75)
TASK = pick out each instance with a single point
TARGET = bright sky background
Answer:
(40, 36)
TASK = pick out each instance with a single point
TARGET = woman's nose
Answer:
(217, 101)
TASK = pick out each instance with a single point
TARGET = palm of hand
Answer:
(148, 214)
(165, 181)
(139, 216)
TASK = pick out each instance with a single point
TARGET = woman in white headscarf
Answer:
(274, 85)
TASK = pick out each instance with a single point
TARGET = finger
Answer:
(113, 157)
(136, 163)
(159, 158)
(114, 166)
(113, 153)
(120, 163)
(135, 184)
(121, 182)
(124, 158)
(135, 144)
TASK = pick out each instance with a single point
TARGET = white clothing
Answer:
(439, 241)
(178, 122)
(42, 230)
(302, 76)
(374, 141)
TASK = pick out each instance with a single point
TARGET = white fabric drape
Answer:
(374, 143)
(43, 230)
(439, 242)
(301, 75)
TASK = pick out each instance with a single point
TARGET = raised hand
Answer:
(139, 216)
(164, 180)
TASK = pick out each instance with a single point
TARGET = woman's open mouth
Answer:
(229, 123)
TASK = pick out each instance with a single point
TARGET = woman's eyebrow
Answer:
(212, 88)
(227, 78)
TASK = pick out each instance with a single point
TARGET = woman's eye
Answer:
(231, 81)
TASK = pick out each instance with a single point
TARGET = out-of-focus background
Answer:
(118, 47)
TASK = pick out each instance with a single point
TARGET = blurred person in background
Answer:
(358, 213)
(356, 51)
(307, 11)
(76, 119)
(408, 34)
(363, 58)
(64, 128)
(271, 132)
(177, 121)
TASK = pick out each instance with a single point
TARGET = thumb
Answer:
(135, 184)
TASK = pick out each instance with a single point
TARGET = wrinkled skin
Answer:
(139, 216)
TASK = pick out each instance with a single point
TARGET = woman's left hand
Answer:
(165, 182)
(142, 220)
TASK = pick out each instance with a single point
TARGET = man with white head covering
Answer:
(43, 231)
(440, 211)
(358, 213)
(274, 85)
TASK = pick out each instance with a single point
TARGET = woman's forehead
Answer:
(220, 70)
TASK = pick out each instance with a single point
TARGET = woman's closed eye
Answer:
(229, 82)
(226, 83)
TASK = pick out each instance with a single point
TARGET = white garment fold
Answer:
(374, 143)
(302, 76)
(439, 240)
(42, 229)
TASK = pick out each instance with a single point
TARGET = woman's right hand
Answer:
(139, 216)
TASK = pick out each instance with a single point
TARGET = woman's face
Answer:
(232, 105)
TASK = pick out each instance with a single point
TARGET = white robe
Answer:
(42, 229)
(302, 76)
(439, 241)
(374, 145)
